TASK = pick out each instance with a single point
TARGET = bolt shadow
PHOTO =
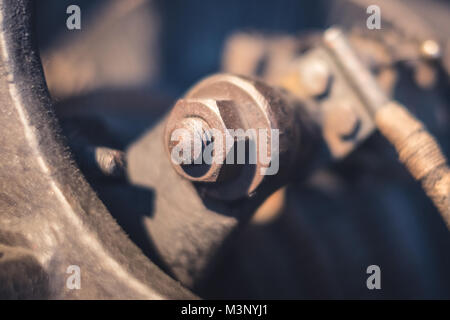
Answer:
(129, 205)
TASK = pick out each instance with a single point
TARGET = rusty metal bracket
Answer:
(340, 110)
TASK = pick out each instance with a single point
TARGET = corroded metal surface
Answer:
(316, 236)
(50, 217)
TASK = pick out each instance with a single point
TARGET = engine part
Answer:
(417, 148)
(228, 102)
(43, 193)
(191, 232)
(190, 221)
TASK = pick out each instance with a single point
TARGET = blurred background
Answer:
(117, 76)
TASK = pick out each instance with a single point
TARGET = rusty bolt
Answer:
(111, 162)
(224, 102)
(197, 118)
(101, 161)
(194, 138)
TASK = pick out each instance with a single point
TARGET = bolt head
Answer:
(190, 127)
(193, 139)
